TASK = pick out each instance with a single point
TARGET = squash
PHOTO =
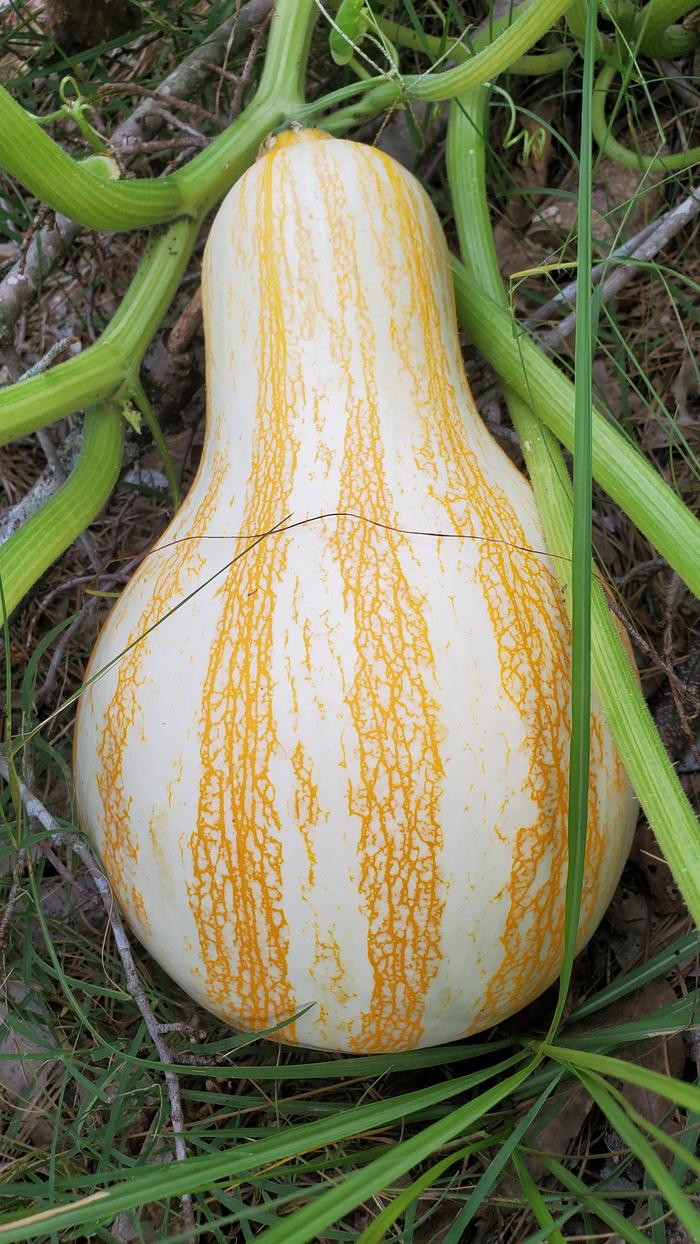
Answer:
(325, 762)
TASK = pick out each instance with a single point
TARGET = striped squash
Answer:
(327, 773)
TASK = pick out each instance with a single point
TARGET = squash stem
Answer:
(111, 367)
(495, 50)
(527, 25)
(653, 24)
(48, 533)
(287, 52)
(609, 145)
(102, 370)
(68, 186)
(483, 309)
(537, 64)
(72, 187)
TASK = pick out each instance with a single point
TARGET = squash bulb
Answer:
(329, 769)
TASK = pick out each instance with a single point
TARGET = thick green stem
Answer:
(576, 19)
(654, 21)
(109, 369)
(508, 38)
(609, 146)
(43, 167)
(49, 532)
(528, 24)
(279, 98)
(646, 761)
(28, 153)
(539, 64)
(287, 52)
(618, 466)
(104, 368)
(88, 378)
(677, 41)
(152, 289)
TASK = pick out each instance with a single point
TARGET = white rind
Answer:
(329, 315)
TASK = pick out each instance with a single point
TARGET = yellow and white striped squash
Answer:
(336, 774)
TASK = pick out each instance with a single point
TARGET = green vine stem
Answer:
(677, 41)
(535, 65)
(45, 169)
(654, 21)
(70, 187)
(529, 23)
(66, 185)
(618, 466)
(576, 19)
(112, 364)
(109, 366)
(507, 39)
(49, 532)
(609, 145)
(647, 763)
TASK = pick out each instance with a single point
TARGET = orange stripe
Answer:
(237, 848)
(396, 718)
(531, 628)
(120, 839)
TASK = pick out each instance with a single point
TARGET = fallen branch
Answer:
(666, 229)
(567, 294)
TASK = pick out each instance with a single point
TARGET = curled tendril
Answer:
(533, 144)
(75, 106)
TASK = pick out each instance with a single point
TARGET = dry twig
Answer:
(666, 228)
(567, 294)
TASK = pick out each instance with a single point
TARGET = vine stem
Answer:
(68, 186)
(43, 537)
(538, 64)
(100, 371)
(108, 366)
(618, 466)
(49, 243)
(610, 146)
(109, 370)
(48, 172)
(654, 21)
(495, 49)
(528, 23)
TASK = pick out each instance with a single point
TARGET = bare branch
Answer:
(666, 228)
(567, 294)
